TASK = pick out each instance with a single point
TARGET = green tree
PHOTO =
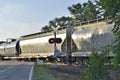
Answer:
(84, 12)
(62, 21)
(45, 28)
(95, 66)
(112, 9)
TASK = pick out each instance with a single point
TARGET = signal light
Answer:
(58, 40)
(53, 40)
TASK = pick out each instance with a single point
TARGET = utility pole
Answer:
(69, 31)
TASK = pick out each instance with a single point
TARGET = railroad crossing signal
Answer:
(55, 40)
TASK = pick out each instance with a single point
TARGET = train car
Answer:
(94, 38)
(9, 48)
(40, 46)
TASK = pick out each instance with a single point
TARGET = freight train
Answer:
(93, 36)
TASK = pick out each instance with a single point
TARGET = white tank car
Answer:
(92, 38)
(9, 48)
(39, 46)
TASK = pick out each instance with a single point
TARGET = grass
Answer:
(41, 72)
(44, 72)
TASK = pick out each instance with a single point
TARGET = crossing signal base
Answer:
(55, 40)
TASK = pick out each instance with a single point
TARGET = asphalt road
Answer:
(13, 70)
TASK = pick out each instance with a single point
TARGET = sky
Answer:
(23, 17)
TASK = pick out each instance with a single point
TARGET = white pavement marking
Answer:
(31, 72)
